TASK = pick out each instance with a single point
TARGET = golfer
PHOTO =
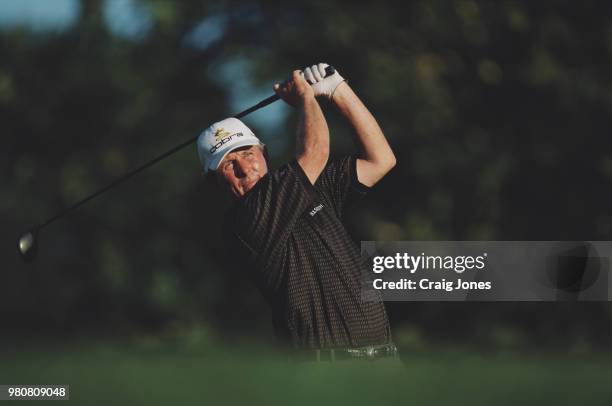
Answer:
(288, 222)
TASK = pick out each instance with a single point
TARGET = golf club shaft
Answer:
(141, 168)
(329, 71)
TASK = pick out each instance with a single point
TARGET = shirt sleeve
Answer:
(267, 214)
(340, 184)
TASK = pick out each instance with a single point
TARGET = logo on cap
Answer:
(221, 133)
(224, 138)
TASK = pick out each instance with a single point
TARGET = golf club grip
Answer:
(329, 70)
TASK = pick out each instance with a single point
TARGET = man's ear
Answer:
(266, 156)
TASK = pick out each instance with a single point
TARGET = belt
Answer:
(370, 353)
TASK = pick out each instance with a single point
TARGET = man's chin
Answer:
(246, 186)
(249, 185)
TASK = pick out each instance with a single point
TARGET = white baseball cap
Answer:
(220, 139)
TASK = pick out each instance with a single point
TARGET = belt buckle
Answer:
(371, 353)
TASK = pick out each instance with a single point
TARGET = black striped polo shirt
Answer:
(303, 259)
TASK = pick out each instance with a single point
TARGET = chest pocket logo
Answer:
(316, 210)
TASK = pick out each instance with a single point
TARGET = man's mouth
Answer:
(248, 183)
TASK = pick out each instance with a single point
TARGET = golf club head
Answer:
(28, 245)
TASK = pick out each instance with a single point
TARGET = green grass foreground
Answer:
(128, 374)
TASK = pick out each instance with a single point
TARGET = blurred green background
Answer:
(499, 114)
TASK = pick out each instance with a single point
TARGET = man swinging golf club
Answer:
(288, 222)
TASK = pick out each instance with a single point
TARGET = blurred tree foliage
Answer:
(499, 113)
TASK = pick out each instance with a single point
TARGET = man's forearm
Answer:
(312, 139)
(377, 156)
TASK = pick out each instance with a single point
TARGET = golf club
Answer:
(28, 242)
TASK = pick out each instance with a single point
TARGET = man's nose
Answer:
(241, 168)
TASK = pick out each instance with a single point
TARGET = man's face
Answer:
(242, 168)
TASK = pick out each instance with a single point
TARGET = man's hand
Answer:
(295, 90)
(321, 84)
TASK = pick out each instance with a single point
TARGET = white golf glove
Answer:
(322, 86)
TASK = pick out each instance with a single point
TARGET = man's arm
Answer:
(313, 134)
(377, 158)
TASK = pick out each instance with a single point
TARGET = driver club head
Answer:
(28, 245)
